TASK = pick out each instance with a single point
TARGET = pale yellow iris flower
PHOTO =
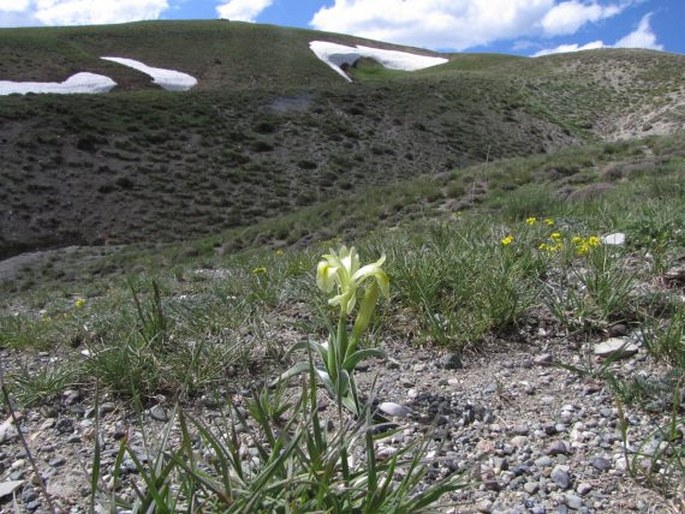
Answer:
(341, 273)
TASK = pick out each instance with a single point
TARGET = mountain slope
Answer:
(271, 128)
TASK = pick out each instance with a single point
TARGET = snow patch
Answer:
(170, 80)
(336, 55)
(80, 83)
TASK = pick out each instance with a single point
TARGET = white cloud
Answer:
(456, 24)
(14, 5)
(642, 37)
(78, 12)
(573, 47)
(461, 24)
(568, 17)
(242, 10)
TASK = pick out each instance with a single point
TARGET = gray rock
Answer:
(560, 477)
(556, 448)
(107, 407)
(543, 462)
(451, 361)
(47, 424)
(7, 430)
(583, 488)
(617, 330)
(29, 494)
(544, 359)
(520, 430)
(519, 441)
(574, 502)
(64, 425)
(531, 487)
(615, 347)
(391, 363)
(33, 506)
(71, 396)
(484, 506)
(57, 462)
(159, 413)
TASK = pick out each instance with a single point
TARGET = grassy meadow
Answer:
(489, 252)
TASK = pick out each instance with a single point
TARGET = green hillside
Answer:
(270, 128)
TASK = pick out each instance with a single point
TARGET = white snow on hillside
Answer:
(80, 83)
(170, 80)
(335, 55)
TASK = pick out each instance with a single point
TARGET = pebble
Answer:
(71, 396)
(57, 462)
(616, 348)
(583, 488)
(601, 463)
(574, 502)
(33, 506)
(556, 448)
(531, 487)
(519, 441)
(8, 431)
(615, 239)
(484, 506)
(391, 363)
(451, 361)
(159, 413)
(544, 359)
(561, 477)
(521, 430)
(29, 494)
(64, 425)
(395, 409)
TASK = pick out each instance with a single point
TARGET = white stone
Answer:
(615, 347)
(616, 239)
(9, 487)
(395, 409)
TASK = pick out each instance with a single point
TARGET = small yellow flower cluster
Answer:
(507, 240)
(259, 270)
(556, 245)
(532, 220)
(583, 245)
(80, 303)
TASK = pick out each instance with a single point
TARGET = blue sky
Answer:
(524, 27)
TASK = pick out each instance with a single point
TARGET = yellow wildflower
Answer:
(555, 236)
(507, 240)
(593, 241)
(532, 220)
(80, 303)
(259, 270)
(550, 248)
(549, 222)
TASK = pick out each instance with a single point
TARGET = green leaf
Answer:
(358, 356)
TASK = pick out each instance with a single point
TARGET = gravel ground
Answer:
(530, 437)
